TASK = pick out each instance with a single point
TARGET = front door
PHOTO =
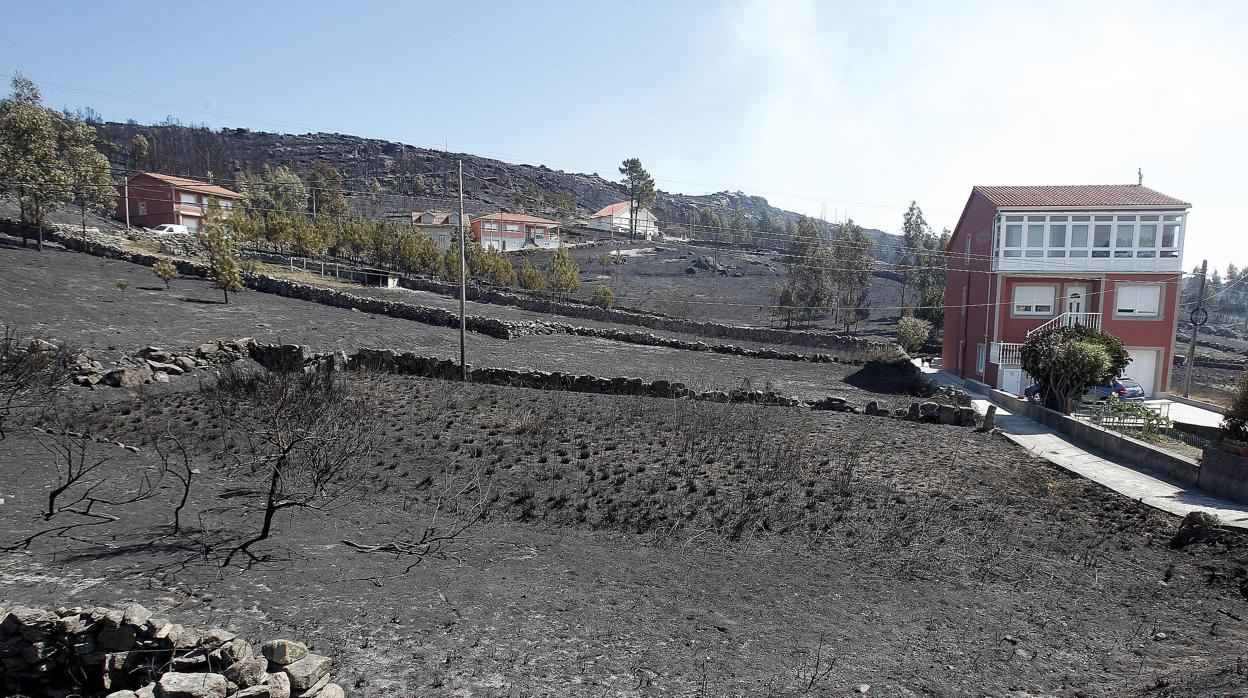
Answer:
(1075, 298)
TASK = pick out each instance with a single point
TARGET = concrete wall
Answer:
(1111, 443)
(1224, 474)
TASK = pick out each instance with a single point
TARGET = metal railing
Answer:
(1092, 320)
(1006, 353)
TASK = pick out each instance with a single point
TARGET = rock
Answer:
(306, 672)
(191, 661)
(32, 623)
(236, 650)
(160, 367)
(872, 409)
(175, 685)
(128, 377)
(315, 689)
(283, 652)
(148, 691)
(254, 692)
(248, 672)
(117, 639)
(215, 638)
(913, 414)
(947, 414)
(929, 410)
(207, 350)
(966, 417)
(331, 690)
(990, 419)
(135, 615)
(279, 685)
(185, 363)
(122, 694)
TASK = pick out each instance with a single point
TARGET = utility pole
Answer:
(463, 279)
(1191, 347)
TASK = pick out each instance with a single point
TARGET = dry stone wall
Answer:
(131, 653)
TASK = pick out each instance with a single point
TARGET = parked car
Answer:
(1126, 389)
(171, 229)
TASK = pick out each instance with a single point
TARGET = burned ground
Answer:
(642, 547)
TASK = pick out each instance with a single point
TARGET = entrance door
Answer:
(1143, 368)
(1076, 296)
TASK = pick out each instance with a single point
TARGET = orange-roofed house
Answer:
(613, 218)
(514, 231)
(1027, 257)
(153, 199)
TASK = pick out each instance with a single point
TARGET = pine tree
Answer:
(91, 188)
(640, 186)
(530, 278)
(223, 270)
(562, 274)
(810, 288)
(325, 190)
(909, 259)
(851, 257)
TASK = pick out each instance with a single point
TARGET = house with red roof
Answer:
(614, 218)
(1024, 258)
(153, 199)
(515, 231)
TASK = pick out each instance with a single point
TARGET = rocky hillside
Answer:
(410, 178)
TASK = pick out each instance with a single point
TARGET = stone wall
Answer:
(130, 653)
(846, 346)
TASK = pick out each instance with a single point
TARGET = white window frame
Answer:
(513, 227)
(142, 208)
(1132, 295)
(1124, 223)
(189, 198)
(1029, 306)
(979, 358)
(490, 226)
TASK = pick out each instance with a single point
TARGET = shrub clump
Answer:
(603, 297)
(1235, 419)
(912, 332)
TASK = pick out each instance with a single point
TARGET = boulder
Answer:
(248, 672)
(122, 694)
(990, 419)
(331, 690)
(136, 615)
(283, 652)
(872, 409)
(305, 673)
(200, 685)
(929, 410)
(207, 350)
(117, 639)
(171, 369)
(236, 650)
(948, 414)
(966, 416)
(128, 377)
(279, 685)
(185, 363)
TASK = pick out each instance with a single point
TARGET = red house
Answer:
(514, 231)
(154, 199)
(1023, 258)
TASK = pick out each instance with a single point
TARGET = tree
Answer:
(31, 373)
(325, 190)
(909, 258)
(30, 164)
(740, 226)
(809, 288)
(562, 274)
(851, 258)
(912, 332)
(273, 190)
(165, 270)
(223, 270)
(1066, 361)
(530, 278)
(90, 186)
(307, 436)
(640, 186)
(603, 297)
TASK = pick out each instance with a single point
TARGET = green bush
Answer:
(1065, 361)
(912, 332)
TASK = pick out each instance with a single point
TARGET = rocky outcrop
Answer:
(130, 653)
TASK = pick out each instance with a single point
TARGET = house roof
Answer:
(516, 218)
(611, 209)
(1079, 196)
(439, 217)
(192, 185)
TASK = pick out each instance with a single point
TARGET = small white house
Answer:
(614, 219)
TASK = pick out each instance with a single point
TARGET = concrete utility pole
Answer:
(463, 279)
(1191, 347)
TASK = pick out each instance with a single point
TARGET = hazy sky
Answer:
(824, 107)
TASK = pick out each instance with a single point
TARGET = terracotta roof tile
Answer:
(192, 185)
(610, 209)
(1078, 196)
(516, 218)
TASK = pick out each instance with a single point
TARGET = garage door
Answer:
(1143, 368)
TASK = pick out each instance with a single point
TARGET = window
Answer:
(187, 197)
(490, 226)
(142, 208)
(192, 224)
(1137, 300)
(1100, 239)
(1124, 241)
(979, 358)
(226, 204)
(1033, 300)
(513, 227)
(1035, 239)
(1079, 239)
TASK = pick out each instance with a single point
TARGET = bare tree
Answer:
(31, 372)
(308, 436)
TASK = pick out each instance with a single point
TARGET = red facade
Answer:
(155, 199)
(993, 301)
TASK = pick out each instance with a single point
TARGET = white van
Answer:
(171, 229)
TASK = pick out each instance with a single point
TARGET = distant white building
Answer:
(439, 225)
(614, 217)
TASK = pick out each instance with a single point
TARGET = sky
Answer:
(839, 109)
